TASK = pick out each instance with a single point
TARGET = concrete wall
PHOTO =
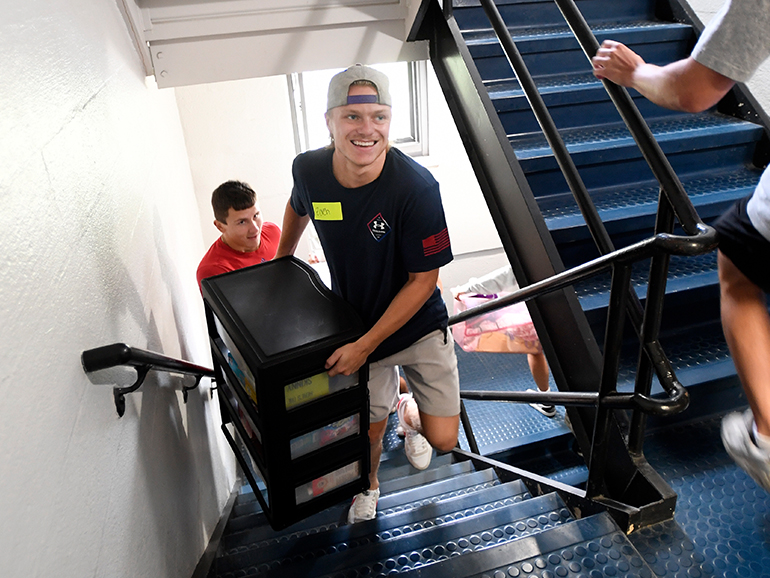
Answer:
(100, 236)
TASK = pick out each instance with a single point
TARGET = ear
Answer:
(219, 226)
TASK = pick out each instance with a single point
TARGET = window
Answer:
(408, 129)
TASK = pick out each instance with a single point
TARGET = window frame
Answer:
(414, 144)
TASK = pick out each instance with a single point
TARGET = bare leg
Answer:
(539, 368)
(746, 325)
(441, 432)
(376, 433)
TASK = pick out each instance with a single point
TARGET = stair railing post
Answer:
(653, 312)
(597, 462)
(468, 429)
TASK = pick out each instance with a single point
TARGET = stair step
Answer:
(420, 547)
(623, 209)
(447, 480)
(685, 273)
(470, 15)
(286, 550)
(677, 131)
(592, 546)
(697, 353)
(554, 51)
(569, 105)
(607, 156)
(484, 42)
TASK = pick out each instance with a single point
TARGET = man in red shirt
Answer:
(246, 240)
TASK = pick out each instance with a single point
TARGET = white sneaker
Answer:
(546, 410)
(418, 450)
(364, 506)
(739, 442)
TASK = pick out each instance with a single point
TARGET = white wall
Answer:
(239, 130)
(100, 236)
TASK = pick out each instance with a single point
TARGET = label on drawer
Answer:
(306, 390)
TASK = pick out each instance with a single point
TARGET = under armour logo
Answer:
(378, 227)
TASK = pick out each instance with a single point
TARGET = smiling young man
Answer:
(246, 239)
(381, 224)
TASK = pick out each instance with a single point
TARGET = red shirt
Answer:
(220, 258)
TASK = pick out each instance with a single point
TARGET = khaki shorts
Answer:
(430, 367)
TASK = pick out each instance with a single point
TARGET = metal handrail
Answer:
(662, 243)
(120, 354)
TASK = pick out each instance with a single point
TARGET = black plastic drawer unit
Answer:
(300, 436)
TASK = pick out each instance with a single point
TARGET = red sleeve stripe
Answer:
(436, 243)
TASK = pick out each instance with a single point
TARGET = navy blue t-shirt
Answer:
(374, 236)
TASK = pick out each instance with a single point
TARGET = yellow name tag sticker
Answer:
(327, 211)
(306, 390)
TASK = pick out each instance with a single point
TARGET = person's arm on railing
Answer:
(682, 85)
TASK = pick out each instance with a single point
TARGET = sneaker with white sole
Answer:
(738, 439)
(546, 409)
(418, 450)
(364, 506)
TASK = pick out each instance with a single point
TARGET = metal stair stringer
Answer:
(634, 492)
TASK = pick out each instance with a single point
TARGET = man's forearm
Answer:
(405, 304)
(293, 227)
(683, 85)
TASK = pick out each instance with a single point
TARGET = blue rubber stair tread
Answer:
(399, 466)
(592, 546)
(285, 550)
(446, 474)
(684, 273)
(470, 15)
(509, 88)
(698, 355)
(427, 491)
(499, 426)
(424, 546)
(388, 504)
(561, 211)
(486, 37)
(674, 129)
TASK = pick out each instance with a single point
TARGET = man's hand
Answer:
(347, 359)
(616, 62)
(682, 85)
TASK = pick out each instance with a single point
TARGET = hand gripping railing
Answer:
(119, 354)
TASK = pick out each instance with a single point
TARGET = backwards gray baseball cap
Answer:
(340, 84)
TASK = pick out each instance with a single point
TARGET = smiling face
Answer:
(360, 133)
(243, 229)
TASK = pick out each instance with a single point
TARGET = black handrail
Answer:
(120, 354)
(662, 243)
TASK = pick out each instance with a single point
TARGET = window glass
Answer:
(407, 87)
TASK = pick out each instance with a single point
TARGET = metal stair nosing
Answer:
(544, 12)
(593, 545)
(457, 481)
(382, 527)
(448, 475)
(401, 550)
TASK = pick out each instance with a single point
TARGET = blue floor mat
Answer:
(721, 525)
